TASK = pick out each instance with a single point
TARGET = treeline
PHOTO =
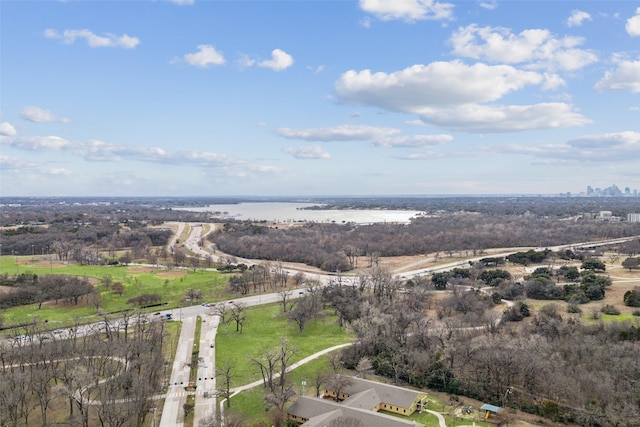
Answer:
(81, 243)
(499, 205)
(32, 289)
(334, 247)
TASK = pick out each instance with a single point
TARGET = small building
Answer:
(490, 410)
(360, 400)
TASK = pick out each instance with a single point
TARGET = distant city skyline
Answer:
(313, 98)
(611, 191)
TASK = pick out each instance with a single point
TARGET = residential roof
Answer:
(491, 408)
(320, 412)
(391, 394)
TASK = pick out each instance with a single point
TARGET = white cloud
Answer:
(205, 56)
(56, 171)
(489, 5)
(280, 60)
(308, 152)
(182, 2)
(535, 48)
(14, 163)
(7, 129)
(617, 146)
(338, 133)
(108, 40)
(408, 10)
(437, 84)
(266, 169)
(420, 156)
(379, 136)
(625, 77)
(504, 118)
(100, 151)
(316, 70)
(633, 24)
(40, 115)
(245, 61)
(412, 141)
(577, 18)
(34, 143)
(457, 96)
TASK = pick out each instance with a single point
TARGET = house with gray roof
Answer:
(358, 401)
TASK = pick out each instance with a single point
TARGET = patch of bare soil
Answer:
(6, 289)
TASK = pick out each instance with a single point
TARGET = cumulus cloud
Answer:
(577, 18)
(437, 84)
(205, 56)
(408, 10)
(633, 24)
(607, 147)
(280, 60)
(7, 129)
(40, 115)
(458, 96)
(625, 77)
(534, 48)
(308, 152)
(93, 40)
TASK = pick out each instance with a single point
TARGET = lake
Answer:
(296, 212)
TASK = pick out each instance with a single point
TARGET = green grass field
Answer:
(170, 284)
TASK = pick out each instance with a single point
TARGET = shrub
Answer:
(610, 309)
(574, 309)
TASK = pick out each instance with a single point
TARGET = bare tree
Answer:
(337, 384)
(318, 380)
(364, 367)
(285, 296)
(238, 315)
(224, 379)
(268, 366)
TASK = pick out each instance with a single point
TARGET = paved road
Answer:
(205, 398)
(173, 412)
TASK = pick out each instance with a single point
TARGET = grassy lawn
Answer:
(170, 284)
(263, 329)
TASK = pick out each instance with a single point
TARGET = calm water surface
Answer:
(294, 212)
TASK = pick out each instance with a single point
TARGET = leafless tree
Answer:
(285, 296)
(238, 314)
(224, 380)
(364, 367)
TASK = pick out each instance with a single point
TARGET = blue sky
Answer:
(275, 98)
